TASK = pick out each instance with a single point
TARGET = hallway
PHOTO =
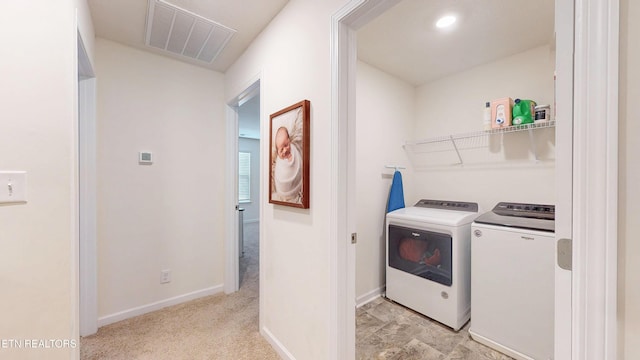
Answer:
(213, 327)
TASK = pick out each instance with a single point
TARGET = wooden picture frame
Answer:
(289, 156)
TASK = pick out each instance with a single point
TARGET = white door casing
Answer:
(595, 180)
(344, 23)
(564, 24)
(231, 253)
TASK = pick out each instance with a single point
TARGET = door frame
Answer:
(232, 251)
(594, 209)
(595, 180)
(563, 171)
(344, 24)
(87, 222)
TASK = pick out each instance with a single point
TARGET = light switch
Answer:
(13, 187)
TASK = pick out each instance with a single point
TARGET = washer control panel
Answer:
(526, 210)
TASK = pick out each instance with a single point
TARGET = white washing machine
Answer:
(428, 259)
(512, 283)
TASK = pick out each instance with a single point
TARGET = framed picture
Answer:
(289, 156)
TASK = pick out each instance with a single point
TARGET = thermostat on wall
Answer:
(145, 157)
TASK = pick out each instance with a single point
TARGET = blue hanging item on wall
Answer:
(396, 194)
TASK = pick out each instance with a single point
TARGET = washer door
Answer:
(422, 253)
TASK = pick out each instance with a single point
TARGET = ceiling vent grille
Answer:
(182, 32)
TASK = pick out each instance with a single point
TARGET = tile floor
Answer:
(386, 330)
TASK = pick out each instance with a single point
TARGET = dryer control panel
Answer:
(448, 205)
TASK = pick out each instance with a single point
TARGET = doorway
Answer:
(249, 189)
(88, 301)
(243, 143)
(583, 162)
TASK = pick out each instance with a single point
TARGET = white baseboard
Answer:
(276, 344)
(370, 296)
(140, 310)
(499, 347)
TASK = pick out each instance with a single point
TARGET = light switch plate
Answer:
(13, 187)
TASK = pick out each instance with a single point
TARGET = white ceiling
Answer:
(405, 42)
(124, 21)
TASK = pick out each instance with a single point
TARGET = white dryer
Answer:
(512, 283)
(428, 259)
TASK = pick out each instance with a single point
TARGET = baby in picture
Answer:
(287, 172)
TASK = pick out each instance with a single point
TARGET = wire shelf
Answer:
(476, 134)
(472, 140)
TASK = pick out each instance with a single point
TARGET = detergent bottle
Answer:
(523, 112)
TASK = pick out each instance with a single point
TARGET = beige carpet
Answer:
(214, 327)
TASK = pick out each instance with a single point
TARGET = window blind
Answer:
(244, 176)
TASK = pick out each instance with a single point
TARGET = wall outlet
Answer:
(165, 276)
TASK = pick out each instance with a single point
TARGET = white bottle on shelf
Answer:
(486, 121)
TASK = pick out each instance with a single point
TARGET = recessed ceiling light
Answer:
(445, 21)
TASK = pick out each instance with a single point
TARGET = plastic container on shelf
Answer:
(543, 113)
(486, 121)
(501, 112)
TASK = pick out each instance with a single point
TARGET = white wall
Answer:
(293, 56)
(252, 209)
(385, 110)
(38, 240)
(499, 168)
(167, 215)
(629, 178)
(454, 104)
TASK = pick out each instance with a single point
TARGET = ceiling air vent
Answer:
(182, 32)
